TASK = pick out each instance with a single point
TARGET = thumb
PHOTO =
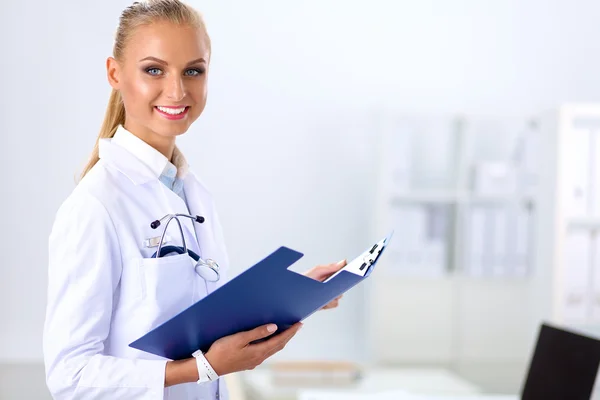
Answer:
(259, 333)
(334, 266)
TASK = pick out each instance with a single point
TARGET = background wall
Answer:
(284, 141)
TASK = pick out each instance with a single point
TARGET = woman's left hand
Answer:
(322, 272)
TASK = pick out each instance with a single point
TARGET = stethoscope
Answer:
(208, 269)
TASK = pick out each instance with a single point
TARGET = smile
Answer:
(172, 112)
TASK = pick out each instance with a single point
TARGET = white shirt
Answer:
(104, 288)
(171, 175)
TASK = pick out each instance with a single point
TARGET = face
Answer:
(162, 80)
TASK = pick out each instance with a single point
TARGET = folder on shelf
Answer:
(266, 293)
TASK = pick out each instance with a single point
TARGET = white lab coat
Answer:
(105, 290)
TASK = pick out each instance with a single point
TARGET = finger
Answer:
(279, 345)
(331, 268)
(288, 335)
(258, 333)
(275, 341)
(332, 304)
(322, 272)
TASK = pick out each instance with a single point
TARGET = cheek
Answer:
(198, 93)
(138, 95)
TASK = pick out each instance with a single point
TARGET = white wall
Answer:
(284, 143)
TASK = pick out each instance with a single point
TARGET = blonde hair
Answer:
(134, 16)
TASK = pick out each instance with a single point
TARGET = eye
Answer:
(153, 71)
(194, 72)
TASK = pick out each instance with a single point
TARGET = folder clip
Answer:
(372, 256)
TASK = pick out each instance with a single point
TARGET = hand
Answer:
(322, 272)
(236, 353)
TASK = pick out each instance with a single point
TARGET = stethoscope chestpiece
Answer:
(208, 269)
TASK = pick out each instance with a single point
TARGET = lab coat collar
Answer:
(136, 159)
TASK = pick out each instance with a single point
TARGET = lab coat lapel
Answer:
(143, 177)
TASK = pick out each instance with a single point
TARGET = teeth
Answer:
(172, 111)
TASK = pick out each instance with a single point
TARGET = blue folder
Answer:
(266, 293)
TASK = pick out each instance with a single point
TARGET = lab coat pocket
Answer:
(168, 284)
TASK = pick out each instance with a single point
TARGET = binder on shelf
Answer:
(499, 217)
(577, 267)
(577, 173)
(595, 271)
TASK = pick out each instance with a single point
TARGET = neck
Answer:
(165, 145)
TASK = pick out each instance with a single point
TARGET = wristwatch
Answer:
(206, 373)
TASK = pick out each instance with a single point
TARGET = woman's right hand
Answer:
(237, 353)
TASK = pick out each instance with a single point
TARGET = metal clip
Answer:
(155, 241)
(370, 258)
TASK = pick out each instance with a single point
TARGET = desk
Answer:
(431, 381)
(399, 396)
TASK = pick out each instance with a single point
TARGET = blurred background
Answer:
(467, 127)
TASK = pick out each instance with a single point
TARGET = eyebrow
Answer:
(158, 60)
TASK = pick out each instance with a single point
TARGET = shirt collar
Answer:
(157, 163)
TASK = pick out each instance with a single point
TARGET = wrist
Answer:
(191, 370)
(206, 372)
(181, 371)
(210, 357)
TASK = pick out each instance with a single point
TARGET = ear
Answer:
(113, 72)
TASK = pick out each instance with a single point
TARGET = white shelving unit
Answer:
(446, 314)
(450, 185)
(451, 316)
(568, 287)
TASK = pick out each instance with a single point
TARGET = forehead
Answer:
(177, 44)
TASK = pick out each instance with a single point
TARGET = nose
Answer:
(176, 88)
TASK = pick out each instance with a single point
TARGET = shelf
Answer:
(450, 197)
(582, 327)
(502, 200)
(432, 197)
(583, 223)
(393, 272)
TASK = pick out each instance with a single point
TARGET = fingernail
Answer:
(341, 262)
(271, 328)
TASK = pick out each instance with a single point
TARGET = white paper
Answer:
(477, 242)
(499, 241)
(594, 184)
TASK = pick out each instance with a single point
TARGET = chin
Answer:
(171, 128)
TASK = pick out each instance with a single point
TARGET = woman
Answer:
(105, 288)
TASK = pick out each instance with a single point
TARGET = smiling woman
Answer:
(159, 89)
(107, 284)
(163, 87)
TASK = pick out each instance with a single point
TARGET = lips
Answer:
(171, 112)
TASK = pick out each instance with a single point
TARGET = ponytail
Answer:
(115, 116)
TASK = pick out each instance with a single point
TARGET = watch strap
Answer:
(206, 373)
